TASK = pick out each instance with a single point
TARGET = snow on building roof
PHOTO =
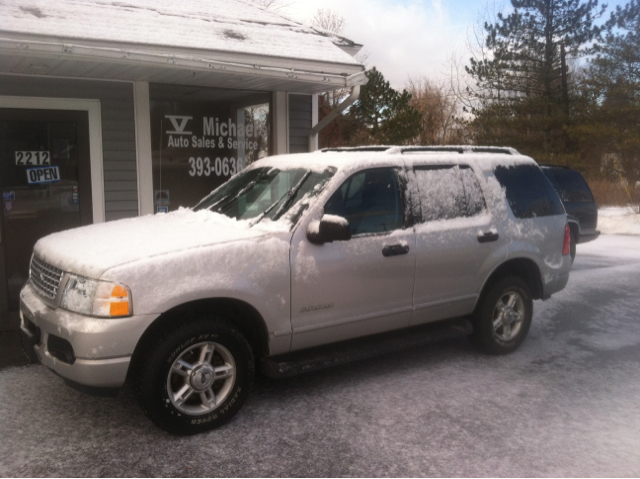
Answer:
(237, 26)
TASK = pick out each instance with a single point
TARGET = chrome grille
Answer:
(45, 278)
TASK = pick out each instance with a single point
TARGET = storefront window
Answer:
(201, 137)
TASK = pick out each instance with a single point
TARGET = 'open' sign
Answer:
(47, 174)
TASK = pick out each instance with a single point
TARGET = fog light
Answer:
(61, 349)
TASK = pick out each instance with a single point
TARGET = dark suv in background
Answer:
(579, 203)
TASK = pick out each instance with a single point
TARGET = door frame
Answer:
(92, 107)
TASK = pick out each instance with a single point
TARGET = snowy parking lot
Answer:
(565, 404)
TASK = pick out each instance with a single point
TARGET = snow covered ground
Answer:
(564, 404)
(618, 221)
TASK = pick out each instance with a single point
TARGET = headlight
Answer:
(96, 298)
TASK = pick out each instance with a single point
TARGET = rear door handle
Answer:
(395, 250)
(488, 236)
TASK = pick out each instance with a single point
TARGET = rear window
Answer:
(528, 191)
(570, 185)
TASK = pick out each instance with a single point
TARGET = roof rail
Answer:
(348, 149)
(494, 149)
(435, 149)
(461, 149)
(555, 166)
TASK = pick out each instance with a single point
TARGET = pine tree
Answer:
(522, 96)
(383, 115)
(609, 132)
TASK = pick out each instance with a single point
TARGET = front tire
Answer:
(194, 378)
(503, 317)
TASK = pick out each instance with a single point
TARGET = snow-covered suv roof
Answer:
(485, 157)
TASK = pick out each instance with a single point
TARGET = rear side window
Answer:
(448, 192)
(528, 191)
(570, 185)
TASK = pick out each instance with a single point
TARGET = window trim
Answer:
(92, 107)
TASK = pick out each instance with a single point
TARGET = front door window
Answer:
(370, 201)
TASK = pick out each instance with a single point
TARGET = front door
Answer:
(362, 286)
(45, 182)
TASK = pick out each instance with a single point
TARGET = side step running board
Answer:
(299, 362)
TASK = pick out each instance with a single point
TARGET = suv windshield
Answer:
(266, 193)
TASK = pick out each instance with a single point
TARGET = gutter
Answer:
(288, 69)
(333, 114)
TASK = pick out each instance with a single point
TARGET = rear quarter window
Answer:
(570, 185)
(528, 191)
(448, 192)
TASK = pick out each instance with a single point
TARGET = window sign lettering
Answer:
(218, 166)
(201, 137)
(47, 174)
(33, 158)
(216, 134)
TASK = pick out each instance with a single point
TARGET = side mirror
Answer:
(330, 228)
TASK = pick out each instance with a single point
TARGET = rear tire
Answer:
(194, 378)
(572, 250)
(503, 317)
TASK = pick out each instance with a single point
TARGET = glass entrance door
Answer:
(45, 183)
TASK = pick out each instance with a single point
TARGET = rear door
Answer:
(457, 241)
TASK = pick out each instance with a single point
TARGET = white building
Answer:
(112, 109)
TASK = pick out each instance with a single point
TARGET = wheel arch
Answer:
(524, 268)
(574, 225)
(241, 314)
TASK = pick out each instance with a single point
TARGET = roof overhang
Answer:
(80, 58)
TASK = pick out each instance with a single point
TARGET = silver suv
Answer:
(376, 248)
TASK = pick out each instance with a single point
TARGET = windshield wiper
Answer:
(226, 197)
(290, 194)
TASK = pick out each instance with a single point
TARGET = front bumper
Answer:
(101, 348)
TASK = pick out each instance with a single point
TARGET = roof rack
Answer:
(433, 149)
(460, 149)
(555, 166)
(348, 149)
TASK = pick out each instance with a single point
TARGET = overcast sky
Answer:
(405, 37)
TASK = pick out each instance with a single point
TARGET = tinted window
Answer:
(528, 191)
(570, 185)
(448, 192)
(369, 200)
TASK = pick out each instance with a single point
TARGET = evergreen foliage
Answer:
(608, 127)
(380, 116)
(522, 99)
(384, 115)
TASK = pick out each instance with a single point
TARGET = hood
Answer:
(92, 250)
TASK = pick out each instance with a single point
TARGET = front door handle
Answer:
(488, 236)
(395, 250)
